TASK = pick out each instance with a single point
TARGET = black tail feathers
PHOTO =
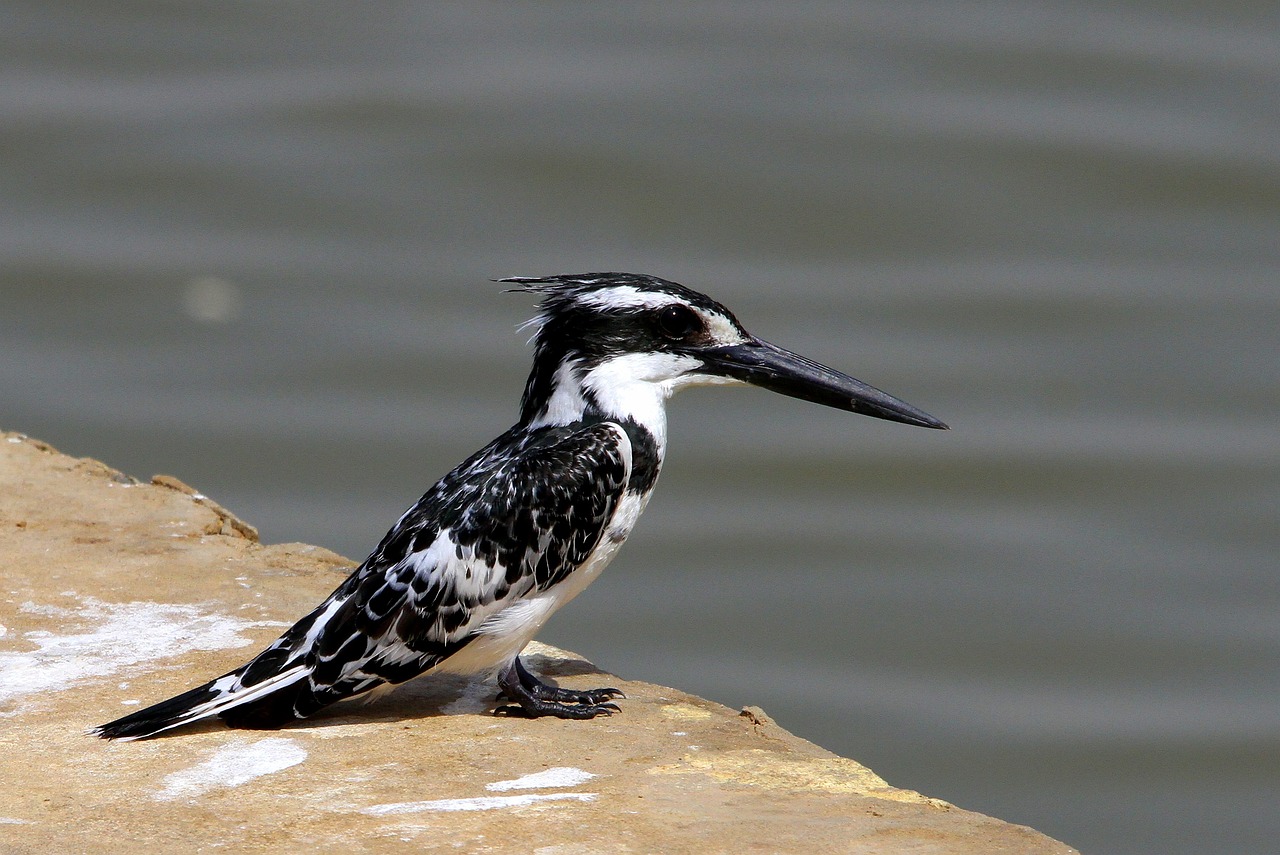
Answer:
(158, 717)
(268, 704)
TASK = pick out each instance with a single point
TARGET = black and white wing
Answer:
(505, 528)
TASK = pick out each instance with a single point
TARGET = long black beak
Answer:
(771, 367)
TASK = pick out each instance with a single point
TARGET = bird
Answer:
(470, 573)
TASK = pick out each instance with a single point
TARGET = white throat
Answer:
(630, 386)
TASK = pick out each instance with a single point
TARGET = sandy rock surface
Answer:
(116, 593)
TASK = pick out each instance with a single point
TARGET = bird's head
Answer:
(602, 334)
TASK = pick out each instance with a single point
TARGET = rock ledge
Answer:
(118, 593)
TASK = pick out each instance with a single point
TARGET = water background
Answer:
(249, 245)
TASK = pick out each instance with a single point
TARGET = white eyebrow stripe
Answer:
(626, 297)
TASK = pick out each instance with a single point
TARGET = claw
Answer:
(595, 696)
(534, 698)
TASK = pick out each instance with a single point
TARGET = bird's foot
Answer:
(534, 698)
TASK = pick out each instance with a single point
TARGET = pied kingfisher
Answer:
(470, 573)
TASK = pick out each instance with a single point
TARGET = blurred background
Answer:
(249, 245)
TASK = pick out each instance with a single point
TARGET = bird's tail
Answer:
(257, 705)
(321, 659)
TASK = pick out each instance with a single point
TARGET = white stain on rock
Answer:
(560, 776)
(482, 803)
(232, 765)
(115, 636)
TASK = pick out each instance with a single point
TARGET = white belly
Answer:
(503, 635)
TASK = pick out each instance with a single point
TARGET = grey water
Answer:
(250, 245)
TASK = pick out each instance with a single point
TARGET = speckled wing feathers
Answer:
(505, 523)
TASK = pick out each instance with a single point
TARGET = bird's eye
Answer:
(678, 322)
